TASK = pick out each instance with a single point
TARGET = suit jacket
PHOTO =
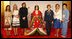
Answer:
(23, 12)
(48, 16)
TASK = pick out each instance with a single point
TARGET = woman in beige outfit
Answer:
(8, 19)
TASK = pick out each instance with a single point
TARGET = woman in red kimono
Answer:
(37, 23)
(36, 13)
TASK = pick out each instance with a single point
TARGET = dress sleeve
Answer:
(31, 15)
(5, 14)
(41, 15)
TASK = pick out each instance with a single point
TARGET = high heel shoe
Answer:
(56, 35)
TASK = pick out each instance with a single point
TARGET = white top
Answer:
(58, 15)
(15, 12)
(15, 19)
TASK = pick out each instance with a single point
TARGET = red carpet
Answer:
(3, 32)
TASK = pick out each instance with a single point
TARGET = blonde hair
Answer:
(14, 8)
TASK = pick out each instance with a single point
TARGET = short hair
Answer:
(57, 4)
(23, 3)
(36, 6)
(64, 4)
(48, 5)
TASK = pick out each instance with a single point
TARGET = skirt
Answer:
(57, 24)
(16, 22)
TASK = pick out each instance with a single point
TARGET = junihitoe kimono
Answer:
(36, 24)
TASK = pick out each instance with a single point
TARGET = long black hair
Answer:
(36, 6)
(64, 4)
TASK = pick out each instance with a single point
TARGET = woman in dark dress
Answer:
(23, 12)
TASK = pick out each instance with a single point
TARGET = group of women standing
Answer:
(19, 18)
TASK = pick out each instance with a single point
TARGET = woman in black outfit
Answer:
(23, 12)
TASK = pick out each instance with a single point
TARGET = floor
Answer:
(4, 35)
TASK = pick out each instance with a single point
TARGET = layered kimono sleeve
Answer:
(32, 15)
(41, 15)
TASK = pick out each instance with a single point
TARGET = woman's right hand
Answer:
(34, 16)
(62, 20)
(17, 16)
(23, 18)
(37, 16)
(44, 22)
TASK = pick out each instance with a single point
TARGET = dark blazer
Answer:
(48, 16)
(23, 12)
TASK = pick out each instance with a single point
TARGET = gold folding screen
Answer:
(3, 6)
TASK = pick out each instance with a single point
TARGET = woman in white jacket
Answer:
(57, 18)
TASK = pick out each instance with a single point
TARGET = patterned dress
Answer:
(16, 22)
(8, 19)
(36, 23)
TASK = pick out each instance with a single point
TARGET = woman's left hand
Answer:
(62, 20)
(52, 22)
(37, 16)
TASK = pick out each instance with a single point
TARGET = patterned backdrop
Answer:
(42, 6)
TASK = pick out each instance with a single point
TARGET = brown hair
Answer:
(9, 8)
(16, 7)
(57, 4)
(23, 3)
(48, 5)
